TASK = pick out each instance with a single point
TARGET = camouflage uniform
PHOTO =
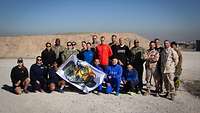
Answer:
(58, 51)
(178, 69)
(67, 53)
(151, 68)
(169, 59)
(137, 60)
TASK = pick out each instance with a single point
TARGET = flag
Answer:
(80, 74)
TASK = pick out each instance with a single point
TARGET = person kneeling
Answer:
(114, 73)
(38, 75)
(19, 77)
(55, 80)
(131, 80)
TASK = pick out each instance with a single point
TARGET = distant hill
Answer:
(30, 46)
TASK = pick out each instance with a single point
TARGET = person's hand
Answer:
(120, 63)
(18, 82)
(109, 77)
(38, 82)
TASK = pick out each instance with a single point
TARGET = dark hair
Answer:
(174, 43)
(102, 37)
(94, 35)
(151, 42)
(89, 43)
(69, 43)
(48, 43)
(57, 39)
(73, 43)
(156, 39)
(114, 35)
(83, 42)
(38, 57)
(166, 41)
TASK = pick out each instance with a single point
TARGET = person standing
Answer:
(95, 42)
(122, 53)
(58, 49)
(88, 55)
(178, 67)
(114, 44)
(169, 60)
(159, 48)
(83, 49)
(152, 58)
(137, 60)
(19, 77)
(103, 52)
(68, 51)
(48, 55)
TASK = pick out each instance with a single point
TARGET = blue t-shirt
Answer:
(88, 56)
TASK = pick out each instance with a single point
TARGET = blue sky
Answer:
(165, 19)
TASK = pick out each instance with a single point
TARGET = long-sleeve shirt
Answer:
(38, 72)
(169, 59)
(18, 74)
(114, 71)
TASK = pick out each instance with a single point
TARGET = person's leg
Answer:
(61, 86)
(161, 79)
(156, 77)
(52, 86)
(166, 82)
(171, 85)
(100, 88)
(139, 68)
(26, 83)
(148, 78)
(117, 85)
(177, 74)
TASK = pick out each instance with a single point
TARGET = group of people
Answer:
(122, 65)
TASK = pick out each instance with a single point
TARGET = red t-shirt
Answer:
(103, 53)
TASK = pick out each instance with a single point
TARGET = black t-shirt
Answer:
(122, 53)
(160, 49)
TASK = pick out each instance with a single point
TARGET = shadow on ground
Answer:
(193, 87)
(7, 88)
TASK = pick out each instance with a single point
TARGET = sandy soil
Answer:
(73, 102)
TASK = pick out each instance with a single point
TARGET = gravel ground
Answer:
(73, 101)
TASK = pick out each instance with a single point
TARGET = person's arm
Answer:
(12, 76)
(110, 53)
(175, 57)
(32, 73)
(120, 71)
(128, 54)
(180, 57)
(25, 73)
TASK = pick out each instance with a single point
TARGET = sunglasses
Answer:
(39, 59)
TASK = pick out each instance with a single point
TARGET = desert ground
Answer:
(72, 101)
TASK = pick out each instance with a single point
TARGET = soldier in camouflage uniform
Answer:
(152, 58)
(58, 49)
(178, 69)
(68, 51)
(169, 60)
(137, 60)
